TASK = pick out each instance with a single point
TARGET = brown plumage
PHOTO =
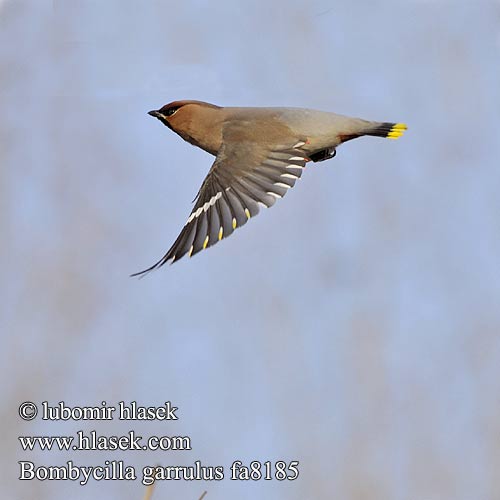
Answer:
(260, 153)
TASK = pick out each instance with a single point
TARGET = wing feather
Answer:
(241, 178)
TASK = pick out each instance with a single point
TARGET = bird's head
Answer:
(194, 121)
(174, 114)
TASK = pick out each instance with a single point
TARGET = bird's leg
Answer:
(322, 155)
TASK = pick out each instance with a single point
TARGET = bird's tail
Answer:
(388, 130)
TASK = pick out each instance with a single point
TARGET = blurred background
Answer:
(354, 327)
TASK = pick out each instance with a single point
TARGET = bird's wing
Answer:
(243, 177)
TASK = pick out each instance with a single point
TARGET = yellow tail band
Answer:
(397, 130)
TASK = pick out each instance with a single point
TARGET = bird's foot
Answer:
(322, 155)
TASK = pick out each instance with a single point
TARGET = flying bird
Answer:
(259, 155)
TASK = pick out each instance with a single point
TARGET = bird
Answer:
(260, 153)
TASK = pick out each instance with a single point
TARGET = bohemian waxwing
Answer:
(260, 153)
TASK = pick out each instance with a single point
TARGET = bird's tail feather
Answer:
(388, 130)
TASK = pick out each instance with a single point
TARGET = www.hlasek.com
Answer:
(93, 442)
(118, 469)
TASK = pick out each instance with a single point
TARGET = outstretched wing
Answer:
(242, 179)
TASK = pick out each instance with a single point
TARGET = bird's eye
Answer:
(170, 111)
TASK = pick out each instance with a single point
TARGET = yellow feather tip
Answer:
(221, 231)
(400, 126)
(205, 243)
(247, 213)
(234, 223)
(397, 131)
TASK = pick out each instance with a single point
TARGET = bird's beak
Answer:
(155, 113)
